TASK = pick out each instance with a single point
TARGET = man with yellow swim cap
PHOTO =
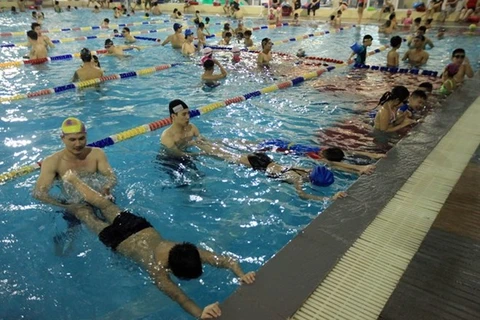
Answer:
(76, 156)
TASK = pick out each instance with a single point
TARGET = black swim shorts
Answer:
(124, 225)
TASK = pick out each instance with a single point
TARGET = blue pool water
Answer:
(223, 207)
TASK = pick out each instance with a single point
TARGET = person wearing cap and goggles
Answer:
(180, 135)
(75, 156)
(177, 39)
(89, 69)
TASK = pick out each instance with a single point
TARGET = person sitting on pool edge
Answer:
(180, 135)
(89, 70)
(135, 238)
(319, 175)
(210, 79)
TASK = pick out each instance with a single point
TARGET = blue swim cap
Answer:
(321, 176)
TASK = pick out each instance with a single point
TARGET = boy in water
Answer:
(247, 38)
(38, 50)
(361, 53)
(393, 58)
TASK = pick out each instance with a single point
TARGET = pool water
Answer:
(223, 207)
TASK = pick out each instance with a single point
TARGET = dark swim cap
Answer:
(177, 105)
(321, 176)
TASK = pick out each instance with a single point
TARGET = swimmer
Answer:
(386, 117)
(96, 9)
(319, 175)
(265, 56)
(89, 70)
(426, 87)
(226, 39)
(331, 156)
(449, 83)
(117, 51)
(236, 54)
(135, 238)
(295, 21)
(177, 39)
(460, 58)
(128, 37)
(75, 156)
(393, 58)
(188, 48)
(207, 55)
(407, 21)
(416, 24)
(38, 50)
(386, 28)
(21, 5)
(43, 39)
(211, 79)
(240, 27)
(361, 53)
(441, 33)
(56, 7)
(338, 19)
(202, 32)
(105, 23)
(226, 28)
(416, 56)
(247, 39)
(156, 9)
(426, 41)
(180, 135)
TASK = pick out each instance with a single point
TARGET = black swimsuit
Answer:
(259, 161)
(124, 225)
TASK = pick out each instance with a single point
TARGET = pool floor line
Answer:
(288, 279)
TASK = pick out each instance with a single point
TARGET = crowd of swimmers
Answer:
(132, 235)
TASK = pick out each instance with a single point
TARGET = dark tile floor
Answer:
(443, 279)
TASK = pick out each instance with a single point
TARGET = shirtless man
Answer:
(210, 79)
(181, 133)
(117, 51)
(416, 56)
(42, 38)
(38, 50)
(89, 70)
(188, 48)
(128, 37)
(177, 39)
(156, 9)
(264, 57)
(75, 156)
(135, 238)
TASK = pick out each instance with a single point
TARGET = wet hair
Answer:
(332, 17)
(226, 26)
(239, 35)
(398, 93)
(420, 37)
(201, 25)
(147, 14)
(339, 12)
(95, 59)
(295, 15)
(419, 94)
(115, 30)
(32, 35)
(333, 154)
(106, 20)
(196, 21)
(208, 64)
(367, 37)
(184, 261)
(422, 28)
(175, 10)
(207, 19)
(34, 13)
(247, 33)
(392, 16)
(86, 55)
(429, 21)
(126, 29)
(228, 35)
(388, 23)
(34, 25)
(56, 3)
(96, 7)
(265, 41)
(417, 20)
(396, 41)
(427, 85)
(458, 50)
(197, 11)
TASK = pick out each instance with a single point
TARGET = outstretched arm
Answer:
(221, 261)
(367, 154)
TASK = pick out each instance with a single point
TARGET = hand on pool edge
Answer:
(339, 195)
(211, 311)
(248, 278)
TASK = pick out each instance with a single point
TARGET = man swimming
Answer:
(135, 238)
(179, 136)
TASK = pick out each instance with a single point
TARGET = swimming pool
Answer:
(224, 207)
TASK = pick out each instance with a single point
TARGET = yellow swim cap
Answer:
(73, 125)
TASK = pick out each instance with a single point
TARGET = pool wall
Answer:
(289, 278)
